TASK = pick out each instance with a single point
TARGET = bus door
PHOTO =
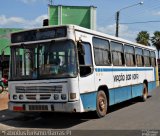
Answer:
(86, 76)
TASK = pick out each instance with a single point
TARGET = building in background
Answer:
(4, 43)
(78, 15)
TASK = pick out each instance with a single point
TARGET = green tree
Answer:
(143, 38)
(156, 40)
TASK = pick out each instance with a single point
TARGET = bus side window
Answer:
(85, 59)
(117, 54)
(146, 58)
(101, 52)
(153, 58)
(139, 57)
(130, 55)
(118, 59)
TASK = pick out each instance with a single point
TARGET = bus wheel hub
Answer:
(101, 104)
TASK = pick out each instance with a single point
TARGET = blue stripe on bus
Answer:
(151, 86)
(120, 94)
(121, 69)
(89, 101)
(116, 95)
(137, 90)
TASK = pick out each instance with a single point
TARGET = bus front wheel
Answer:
(145, 93)
(101, 105)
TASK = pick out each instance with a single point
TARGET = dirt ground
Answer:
(3, 100)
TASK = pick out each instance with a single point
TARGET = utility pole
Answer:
(51, 2)
(118, 13)
(117, 23)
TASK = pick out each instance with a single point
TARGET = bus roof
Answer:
(93, 32)
(110, 37)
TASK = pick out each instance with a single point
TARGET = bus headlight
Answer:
(63, 96)
(56, 96)
(14, 97)
(72, 95)
(21, 97)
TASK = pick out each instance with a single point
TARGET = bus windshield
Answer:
(43, 60)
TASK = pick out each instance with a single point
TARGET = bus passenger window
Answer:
(117, 54)
(146, 58)
(85, 59)
(101, 52)
(115, 58)
(130, 56)
(139, 57)
(153, 58)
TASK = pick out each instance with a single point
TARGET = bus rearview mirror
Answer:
(81, 48)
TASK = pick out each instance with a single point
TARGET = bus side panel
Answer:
(89, 101)
(137, 90)
(151, 86)
(111, 97)
(122, 94)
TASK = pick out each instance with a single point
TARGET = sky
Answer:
(30, 13)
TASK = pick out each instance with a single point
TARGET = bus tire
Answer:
(144, 93)
(101, 104)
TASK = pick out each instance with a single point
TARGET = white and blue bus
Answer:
(74, 69)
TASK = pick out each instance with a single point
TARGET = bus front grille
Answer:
(45, 96)
(38, 108)
(39, 89)
(38, 97)
(31, 97)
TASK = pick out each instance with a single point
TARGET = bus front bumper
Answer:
(45, 107)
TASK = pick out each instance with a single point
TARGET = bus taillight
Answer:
(18, 108)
